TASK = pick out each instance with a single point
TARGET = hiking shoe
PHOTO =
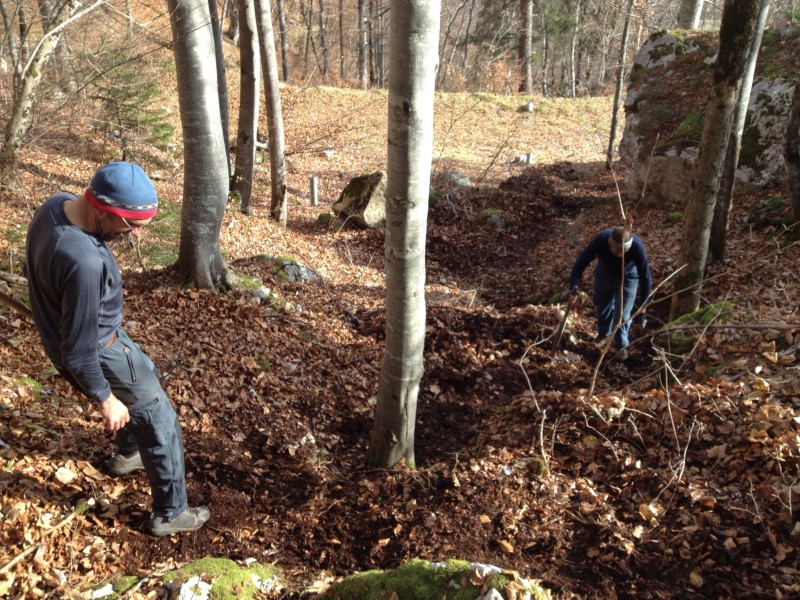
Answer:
(601, 341)
(191, 519)
(119, 464)
(622, 354)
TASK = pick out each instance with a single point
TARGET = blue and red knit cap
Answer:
(123, 189)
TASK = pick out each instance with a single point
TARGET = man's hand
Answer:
(641, 319)
(115, 414)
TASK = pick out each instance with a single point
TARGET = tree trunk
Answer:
(363, 76)
(323, 39)
(792, 154)
(465, 54)
(414, 44)
(284, 41)
(689, 14)
(573, 43)
(342, 69)
(233, 22)
(25, 91)
(250, 85)
(525, 45)
(623, 51)
(722, 210)
(279, 207)
(379, 47)
(222, 77)
(205, 181)
(545, 56)
(736, 38)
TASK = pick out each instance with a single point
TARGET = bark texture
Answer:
(736, 37)
(279, 207)
(414, 58)
(250, 83)
(205, 183)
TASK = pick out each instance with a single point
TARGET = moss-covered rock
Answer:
(667, 95)
(422, 580)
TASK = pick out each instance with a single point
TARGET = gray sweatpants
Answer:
(153, 428)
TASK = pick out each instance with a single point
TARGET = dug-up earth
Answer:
(573, 467)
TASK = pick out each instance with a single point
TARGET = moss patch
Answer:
(229, 580)
(417, 580)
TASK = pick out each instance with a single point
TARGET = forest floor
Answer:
(577, 469)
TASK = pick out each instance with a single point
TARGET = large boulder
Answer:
(363, 201)
(667, 94)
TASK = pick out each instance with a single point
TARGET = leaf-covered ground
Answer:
(634, 490)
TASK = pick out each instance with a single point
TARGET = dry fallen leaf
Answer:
(506, 546)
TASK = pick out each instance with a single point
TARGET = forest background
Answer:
(108, 93)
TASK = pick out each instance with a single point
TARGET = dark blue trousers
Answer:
(153, 428)
(609, 308)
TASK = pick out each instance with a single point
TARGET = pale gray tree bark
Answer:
(284, 40)
(792, 154)
(689, 14)
(623, 55)
(363, 76)
(205, 180)
(250, 85)
(27, 79)
(414, 34)
(573, 49)
(342, 62)
(736, 37)
(222, 78)
(526, 45)
(279, 206)
(722, 210)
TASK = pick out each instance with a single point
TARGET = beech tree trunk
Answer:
(222, 78)
(689, 14)
(205, 179)
(363, 75)
(250, 85)
(284, 41)
(736, 38)
(414, 35)
(279, 207)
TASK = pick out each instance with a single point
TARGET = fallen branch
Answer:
(15, 304)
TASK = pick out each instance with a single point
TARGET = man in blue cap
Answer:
(621, 263)
(75, 291)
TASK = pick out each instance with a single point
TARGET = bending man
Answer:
(76, 295)
(621, 263)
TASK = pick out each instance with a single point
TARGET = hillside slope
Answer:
(632, 491)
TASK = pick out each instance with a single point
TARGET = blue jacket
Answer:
(636, 266)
